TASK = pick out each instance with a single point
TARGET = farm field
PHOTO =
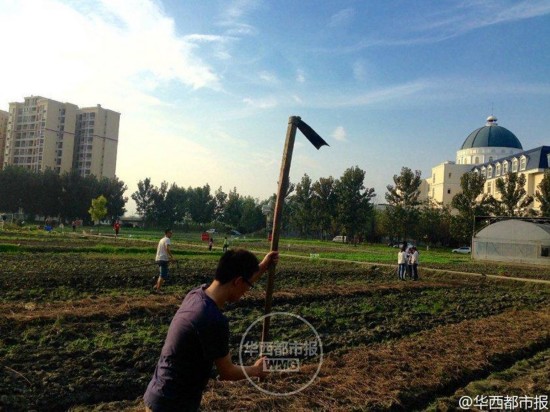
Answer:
(80, 330)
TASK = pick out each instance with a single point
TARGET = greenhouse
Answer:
(515, 241)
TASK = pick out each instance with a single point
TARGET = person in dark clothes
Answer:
(198, 336)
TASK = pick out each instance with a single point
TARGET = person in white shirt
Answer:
(163, 257)
(414, 263)
(402, 263)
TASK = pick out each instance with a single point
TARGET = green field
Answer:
(80, 329)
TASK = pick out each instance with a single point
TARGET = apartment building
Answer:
(96, 141)
(43, 133)
(4, 116)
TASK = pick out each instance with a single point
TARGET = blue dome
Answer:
(492, 135)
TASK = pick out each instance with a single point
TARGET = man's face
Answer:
(168, 234)
(240, 286)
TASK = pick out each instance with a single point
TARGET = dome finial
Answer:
(491, 121)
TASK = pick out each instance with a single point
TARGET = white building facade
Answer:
(492, 151)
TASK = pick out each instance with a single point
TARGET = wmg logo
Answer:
(281, 365)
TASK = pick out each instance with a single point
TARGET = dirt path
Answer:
(454, 272)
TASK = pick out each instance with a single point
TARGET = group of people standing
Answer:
(407, 262)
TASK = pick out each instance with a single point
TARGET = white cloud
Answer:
(265, 103)
(448, 22)
(340, 134)
(300, 76)
(268, 77)
(232, 15)
(359, 71)
(238, 8)
(341, 18)
(97, 51)
(395, 93)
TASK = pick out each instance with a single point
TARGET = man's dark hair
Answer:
(235, 263)
(167, 230)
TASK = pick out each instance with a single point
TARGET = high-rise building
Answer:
(96, 141)
(44, 133)
(4, 116)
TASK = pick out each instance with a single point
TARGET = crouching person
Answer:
(198, 336)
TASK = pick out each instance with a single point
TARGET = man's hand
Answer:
(258, 367)
(272, 258)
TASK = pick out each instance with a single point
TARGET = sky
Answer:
(205, 88)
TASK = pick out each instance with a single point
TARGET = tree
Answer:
(543, 194)
(302, 206)
(434, 224)
(513, 196)
(113, 190)
(324, 204)
(49, 193)
(403, 202)
(353, 202)
(469, 203)
(252, 218)
(76, 194)
(201, 204)
(233, 210)
(16, 189)
(220, 199)
(145, 198)
(98, 210)
(175, 205)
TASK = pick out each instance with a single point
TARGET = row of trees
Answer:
(165, 205)
(49, 194)
(319, 209)
(407, 217)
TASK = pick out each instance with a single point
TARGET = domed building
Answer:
(493, 151)
(488, 143)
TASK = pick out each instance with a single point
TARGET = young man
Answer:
(198, 336)
(163, 257)
(116, 228)
(414, 262)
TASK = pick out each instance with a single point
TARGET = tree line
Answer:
(313, 209)
(67, 196)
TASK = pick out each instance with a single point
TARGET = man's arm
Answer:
(169, 252)
(270, 259)
(230, 372)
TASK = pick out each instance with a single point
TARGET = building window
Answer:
(484, 172)
(515, 165)
(545, 251)
(476, 160)
(450, 175)
(522, 163)
(497, 173)
(505, 168)
(489, 187)
(489, 172)
(448, 191)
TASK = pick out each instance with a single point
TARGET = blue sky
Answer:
(205, 88)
